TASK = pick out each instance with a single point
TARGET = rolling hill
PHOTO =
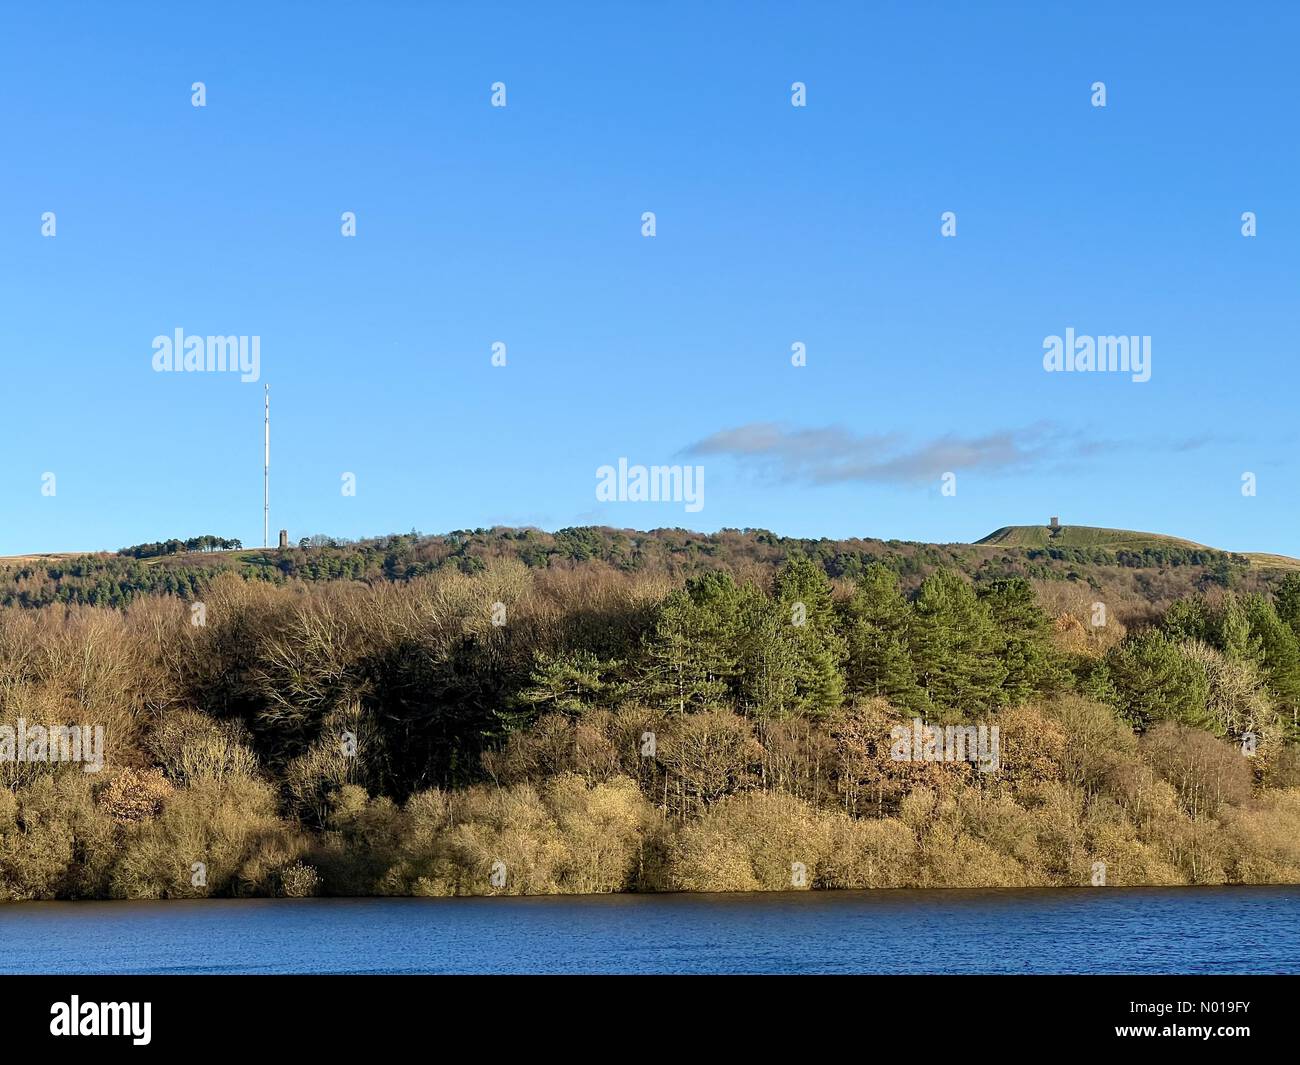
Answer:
(1083, 536)
(1093, 537)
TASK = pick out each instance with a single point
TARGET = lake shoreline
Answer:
(1128, 889)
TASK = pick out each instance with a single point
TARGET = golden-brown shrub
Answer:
(55, 842)
(190, 746)
(229, 826)
(567, 838)
(753, 842)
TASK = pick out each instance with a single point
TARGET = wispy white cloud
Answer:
(830, 455)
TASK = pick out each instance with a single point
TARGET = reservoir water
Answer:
(1098, 930)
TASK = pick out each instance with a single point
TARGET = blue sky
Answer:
(522, 224)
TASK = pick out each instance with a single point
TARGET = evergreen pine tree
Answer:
(1189, 619)
(954, 646)
(695, 648)
(877, 626)
(803, 591)
(1286, 600)
(1027, 652)
(1231, 631)
(1280, 652)
(1150, 680)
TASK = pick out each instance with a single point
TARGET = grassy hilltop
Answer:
(1082, 536)
(1115, 540)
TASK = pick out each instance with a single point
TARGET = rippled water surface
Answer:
(1186, 930)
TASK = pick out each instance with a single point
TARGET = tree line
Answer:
(595, 729)
(176, 547)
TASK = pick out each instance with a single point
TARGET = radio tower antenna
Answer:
(266, 476)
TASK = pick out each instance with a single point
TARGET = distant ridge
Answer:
(1091, 536)
(1138, 566)
(1082, 536)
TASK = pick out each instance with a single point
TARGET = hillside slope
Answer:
(1091, 537)
(1083, 536)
